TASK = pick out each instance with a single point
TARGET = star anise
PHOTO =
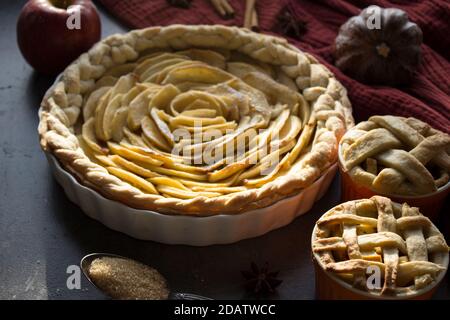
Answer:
(261, 280)
(185, 4)
(290, 26)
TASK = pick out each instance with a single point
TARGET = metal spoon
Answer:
(86, 261)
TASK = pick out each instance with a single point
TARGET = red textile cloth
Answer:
(426, 98)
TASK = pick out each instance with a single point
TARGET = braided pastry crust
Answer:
(407, 248)
(107, 87)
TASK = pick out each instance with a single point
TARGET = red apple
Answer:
(53, 33)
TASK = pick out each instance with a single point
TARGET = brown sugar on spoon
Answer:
(125, 279)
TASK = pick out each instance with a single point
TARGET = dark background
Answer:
(42, 232)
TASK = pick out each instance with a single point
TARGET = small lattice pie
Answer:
(407, 248)
(122, 113)
(395, 155)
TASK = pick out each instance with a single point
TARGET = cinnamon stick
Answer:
(223, 8)
(249, 8)
(254, 22)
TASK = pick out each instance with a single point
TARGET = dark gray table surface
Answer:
(42, 233)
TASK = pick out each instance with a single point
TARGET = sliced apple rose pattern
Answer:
(195, 120)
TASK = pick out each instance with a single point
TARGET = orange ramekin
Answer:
(430, 204)
(330, 287)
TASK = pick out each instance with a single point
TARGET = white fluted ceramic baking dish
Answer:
(189, 230)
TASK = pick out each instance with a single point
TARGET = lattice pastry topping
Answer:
(396, 155)
(195, 119)
(406, 248)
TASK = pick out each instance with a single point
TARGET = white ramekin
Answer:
(188, 230)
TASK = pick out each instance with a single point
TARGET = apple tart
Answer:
(195, 120)
(361, 238)
(396, 156)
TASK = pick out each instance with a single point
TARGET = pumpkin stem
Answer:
(383, 50)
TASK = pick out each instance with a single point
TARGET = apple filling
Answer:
(196, 123)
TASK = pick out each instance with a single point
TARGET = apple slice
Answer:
(159, 74)
(88, 134)
(184, 194)
(92, 101)
(272, 159)
(133, 138)
(171, 182)
(156, 68)
(200, 113)
(131, 155)
(110, 112)
(240, 69)
(198, 72)
(164, 97)
(130, 95)
(223, 128)
(105, 161)
(152, 133)
(139, 107)
(288, 133)
(162, 126)
(133, 179)
(87, 150)
(191, 85)
(274, 91)
(122, 86)
(154, 60)
(209, 57)
(118, 123)
(195, 121)
(134, 168)
(192, 100)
